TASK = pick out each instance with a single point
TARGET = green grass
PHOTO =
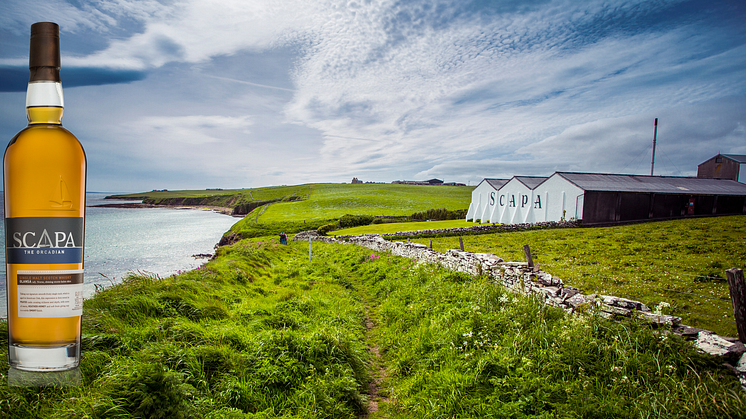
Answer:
(178, 194)
(277, 192)
(680, 262)
(327, 202)
(458, 346)
(261, 332)
(255, 333)
(402, 227)
(291, 209)
(330, 201)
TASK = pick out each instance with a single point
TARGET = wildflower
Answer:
(659, 308)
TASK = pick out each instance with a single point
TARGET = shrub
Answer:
(325, 229)
(440, 214)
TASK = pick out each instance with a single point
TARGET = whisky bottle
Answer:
(44, 175)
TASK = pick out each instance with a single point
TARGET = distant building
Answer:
(724, 166)
(426, 182)
(356, 181)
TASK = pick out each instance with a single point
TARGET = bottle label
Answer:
(45, 93)
(50, 293)
(44, 240)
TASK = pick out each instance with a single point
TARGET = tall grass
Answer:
(458, 346)
(254, 333)
(261, 332)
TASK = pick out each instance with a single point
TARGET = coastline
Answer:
(162, 242)
(221, 210)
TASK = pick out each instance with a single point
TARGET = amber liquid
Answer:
(44, 173)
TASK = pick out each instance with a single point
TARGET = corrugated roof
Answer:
(654, 184)
(531, 181)
(737, 157)
(497, 183)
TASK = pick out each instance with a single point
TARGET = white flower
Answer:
(659, 308)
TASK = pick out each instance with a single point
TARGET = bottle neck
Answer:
(44, 102)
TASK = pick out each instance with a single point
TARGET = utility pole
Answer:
(655, 137)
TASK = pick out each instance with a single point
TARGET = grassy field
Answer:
(401, 227)
(330, 201)
(679, 262)
(261, 332)
(327, 202)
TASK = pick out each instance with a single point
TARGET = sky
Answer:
(193, 94)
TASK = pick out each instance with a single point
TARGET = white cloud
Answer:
(432, 86)
(191, 129)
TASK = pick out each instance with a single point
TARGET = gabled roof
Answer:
(740, 158)
(602, 182)
(497, 183)
(531, 182)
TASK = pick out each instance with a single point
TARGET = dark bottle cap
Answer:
(44, 55)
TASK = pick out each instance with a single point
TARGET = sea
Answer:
(155, 241)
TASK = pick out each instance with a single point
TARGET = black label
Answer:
(42, 240)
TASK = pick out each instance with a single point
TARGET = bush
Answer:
(325, 229)
(349, 220)
(440, 214)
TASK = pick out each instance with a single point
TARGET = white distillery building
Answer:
(483, 199)
(598, 198)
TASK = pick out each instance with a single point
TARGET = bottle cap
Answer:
(44, 55)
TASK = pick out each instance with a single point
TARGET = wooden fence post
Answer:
(529, 259)
(461, 242)
(737, 288)
(431, 244)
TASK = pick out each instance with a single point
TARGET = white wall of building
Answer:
(516, 203)
(742, 173)
(559, 198)
(513, 204)
(481, 197)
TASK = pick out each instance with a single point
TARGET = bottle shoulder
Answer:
(40, 133)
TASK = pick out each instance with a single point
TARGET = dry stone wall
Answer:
(519, 277)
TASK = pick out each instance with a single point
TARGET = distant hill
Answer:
(289, 209)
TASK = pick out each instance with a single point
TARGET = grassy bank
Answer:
(401, 227)
(261, 332)
(254, 333)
